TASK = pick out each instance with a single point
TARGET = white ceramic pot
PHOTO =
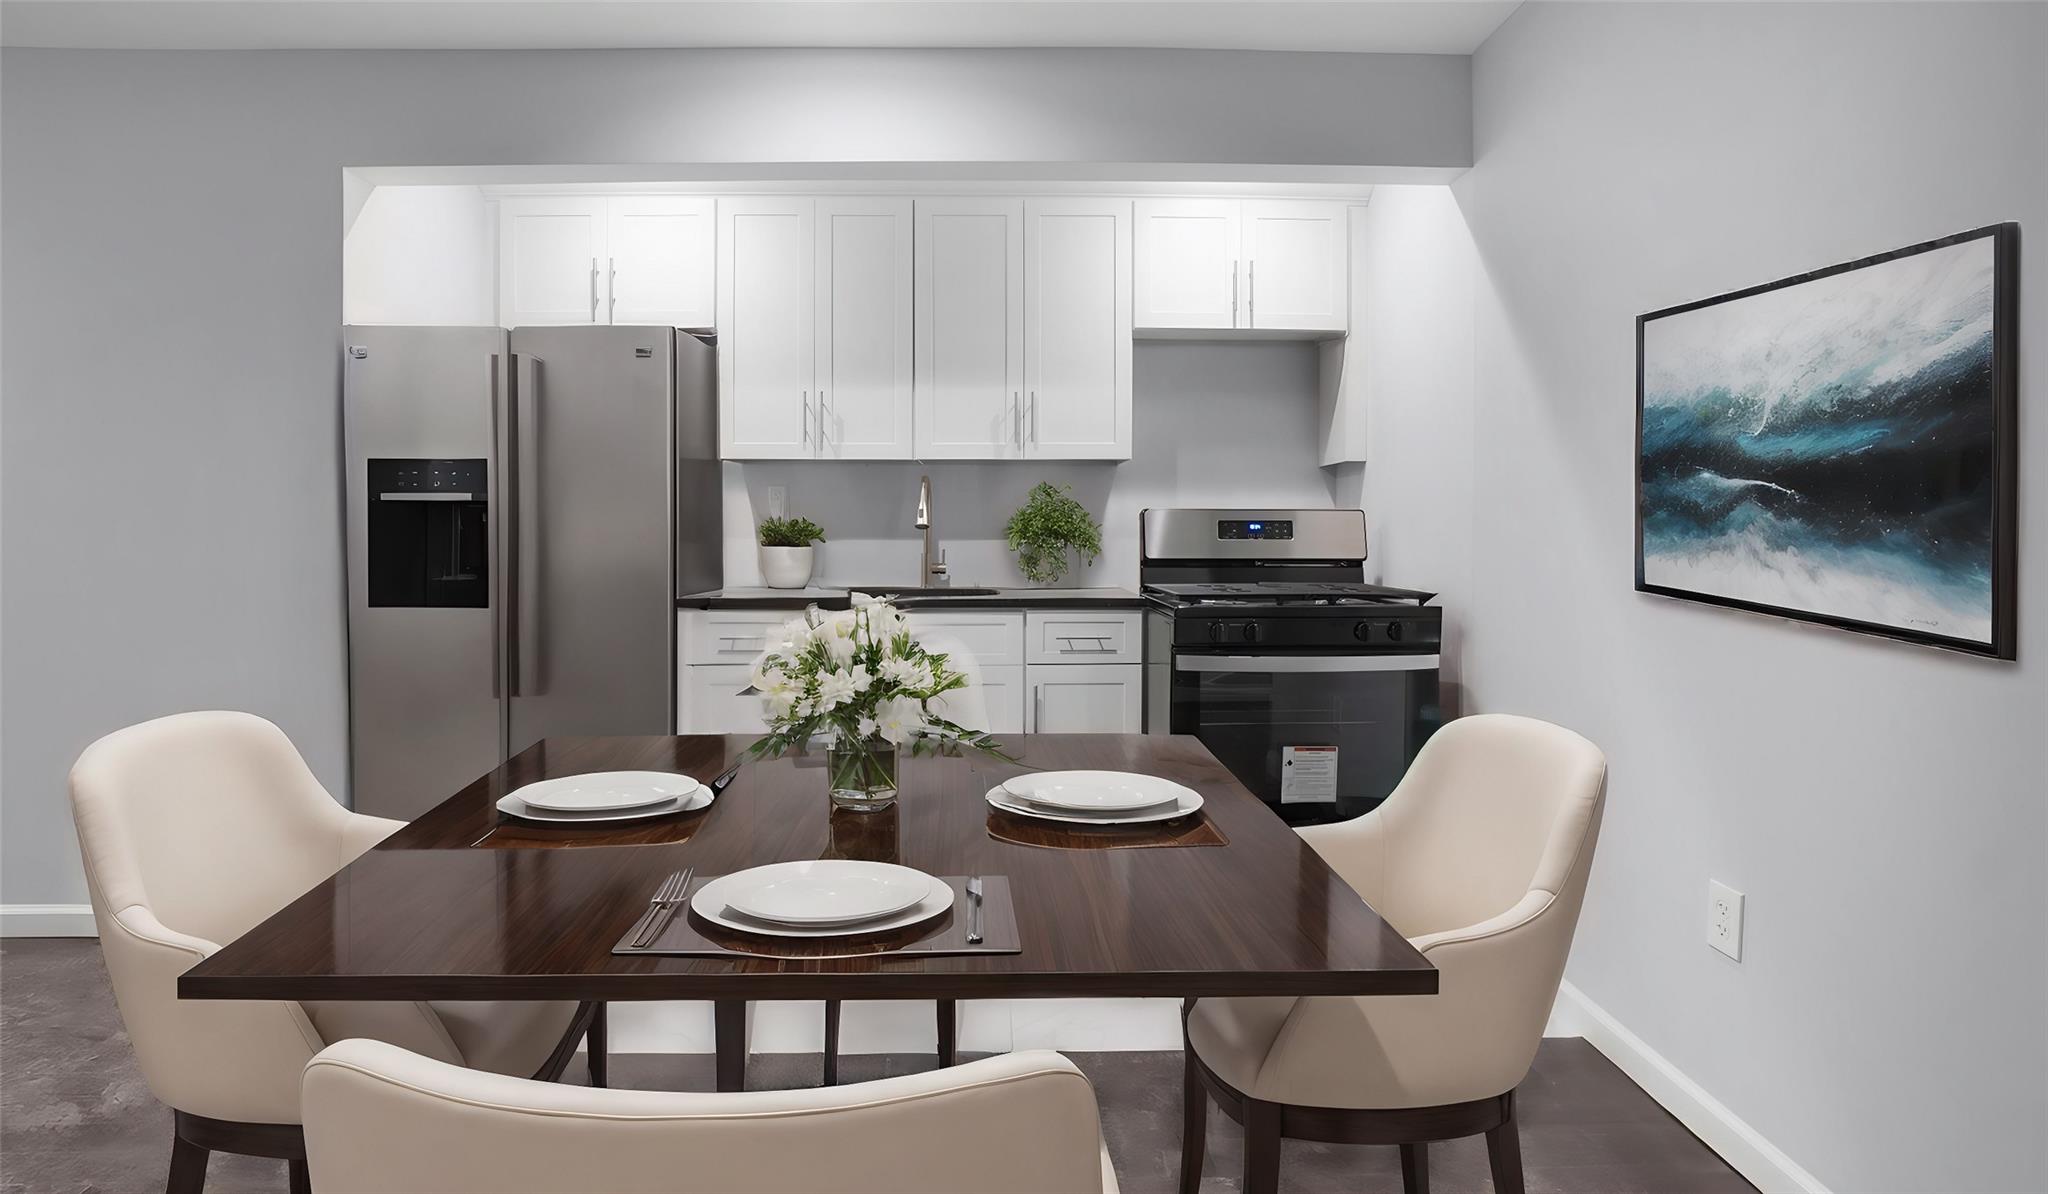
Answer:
(787, 567)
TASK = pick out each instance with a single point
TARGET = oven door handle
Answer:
(1305, 663)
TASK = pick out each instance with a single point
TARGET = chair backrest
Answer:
(967, 705)
(1493, 808)
(210, 820)
(379, 1118)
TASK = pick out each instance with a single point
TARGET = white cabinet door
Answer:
(662, 252)
(1002, 688)
(712, 704)
(1187, 263)
(863, 329)
(970, 328)
(1077, 329)
(550, 249)
(765, 310)
(1074, 698)
(1297, 271)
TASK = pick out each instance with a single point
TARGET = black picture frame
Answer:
(2003, 641)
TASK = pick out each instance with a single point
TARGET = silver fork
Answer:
(665, 896)
(974, 910)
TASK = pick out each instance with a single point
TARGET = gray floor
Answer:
(75, 1115)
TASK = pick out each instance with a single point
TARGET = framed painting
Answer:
(1840, 447)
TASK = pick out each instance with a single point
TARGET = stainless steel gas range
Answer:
(1263, 640)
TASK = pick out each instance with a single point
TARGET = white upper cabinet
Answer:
(1296, 271)
(1187, 263)
(660, 261)
(550, 249)
(643, 259)
(1253, 265)
(766, 308)
(970, 329)
(862, 355)
(1077, 329)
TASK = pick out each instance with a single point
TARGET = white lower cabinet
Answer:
(1003, 689)
(1085, 698)
(710, 701)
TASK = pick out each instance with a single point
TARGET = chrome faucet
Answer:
(930, 573)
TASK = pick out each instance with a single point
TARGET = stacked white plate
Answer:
(827, 898)
(604, 797)
(1094, 797)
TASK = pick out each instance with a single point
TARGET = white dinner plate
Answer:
(606, 791)
(709, 902)
(1000, 797)
(1095, 791)
(513, 806)
(824, 892)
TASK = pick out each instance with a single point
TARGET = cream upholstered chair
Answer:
(966, 706)
(194, 829)
(380, 1119)
(1479, 858)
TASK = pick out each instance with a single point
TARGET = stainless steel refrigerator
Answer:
(523, 509)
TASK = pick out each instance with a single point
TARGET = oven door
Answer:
(1318, 737)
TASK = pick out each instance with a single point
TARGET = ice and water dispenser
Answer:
(429, 534)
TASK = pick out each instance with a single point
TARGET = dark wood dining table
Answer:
(464, 903)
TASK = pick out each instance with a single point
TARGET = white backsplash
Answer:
(1215, 424)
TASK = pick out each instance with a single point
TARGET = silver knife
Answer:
(974, 910)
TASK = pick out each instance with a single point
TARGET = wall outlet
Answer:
(1724, 918)
(778, 501)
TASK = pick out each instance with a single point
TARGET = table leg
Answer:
(729, 1031)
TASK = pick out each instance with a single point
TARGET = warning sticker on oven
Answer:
(1308, 774)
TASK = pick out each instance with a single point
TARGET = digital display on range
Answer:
(1249, 528)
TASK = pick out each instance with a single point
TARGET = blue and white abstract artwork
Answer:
(1829, 448)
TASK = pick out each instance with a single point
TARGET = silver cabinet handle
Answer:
(1234, 271)
(807, 418)
(493, 479)
(1034, 418)
(1017, 418)
(593, 290)
(1038, 708)
(611, 289)
(821, 421)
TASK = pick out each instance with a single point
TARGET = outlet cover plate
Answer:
(1724, 918)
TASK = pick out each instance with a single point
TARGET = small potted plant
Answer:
(787, 556)
(860, 680)
(1049, 525)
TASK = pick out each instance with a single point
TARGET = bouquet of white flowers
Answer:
(860, 679)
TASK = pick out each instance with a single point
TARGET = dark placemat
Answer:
(691, 936)
(512, 833)
(1195, 829)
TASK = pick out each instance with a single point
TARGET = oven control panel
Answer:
(1387, 631)
(1255, 528)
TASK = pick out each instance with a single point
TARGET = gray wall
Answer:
(169, 221)
(1885, 807)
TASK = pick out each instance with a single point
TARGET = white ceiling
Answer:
(1363, 26)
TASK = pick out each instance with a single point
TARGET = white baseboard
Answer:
(46, 920)
(1763, 1163)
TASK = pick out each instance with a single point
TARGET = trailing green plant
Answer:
(1047, 526)
(795, 531)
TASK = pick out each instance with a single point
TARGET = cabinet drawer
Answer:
(995, 636)
(1084, 636)
(731, 636)
(712, 704)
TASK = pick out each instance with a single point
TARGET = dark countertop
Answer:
(830, 598)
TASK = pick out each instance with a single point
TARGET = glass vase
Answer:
(862, 774)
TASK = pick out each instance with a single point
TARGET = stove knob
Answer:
(1215, 632)
(1252, 632)
(1362, 632)
(1393, 632)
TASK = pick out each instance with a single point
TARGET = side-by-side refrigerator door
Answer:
(421, 406)
(591, 575)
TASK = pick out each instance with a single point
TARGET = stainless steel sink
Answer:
(914, 591)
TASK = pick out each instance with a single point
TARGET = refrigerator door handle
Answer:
(525, 643)
(494, 481)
